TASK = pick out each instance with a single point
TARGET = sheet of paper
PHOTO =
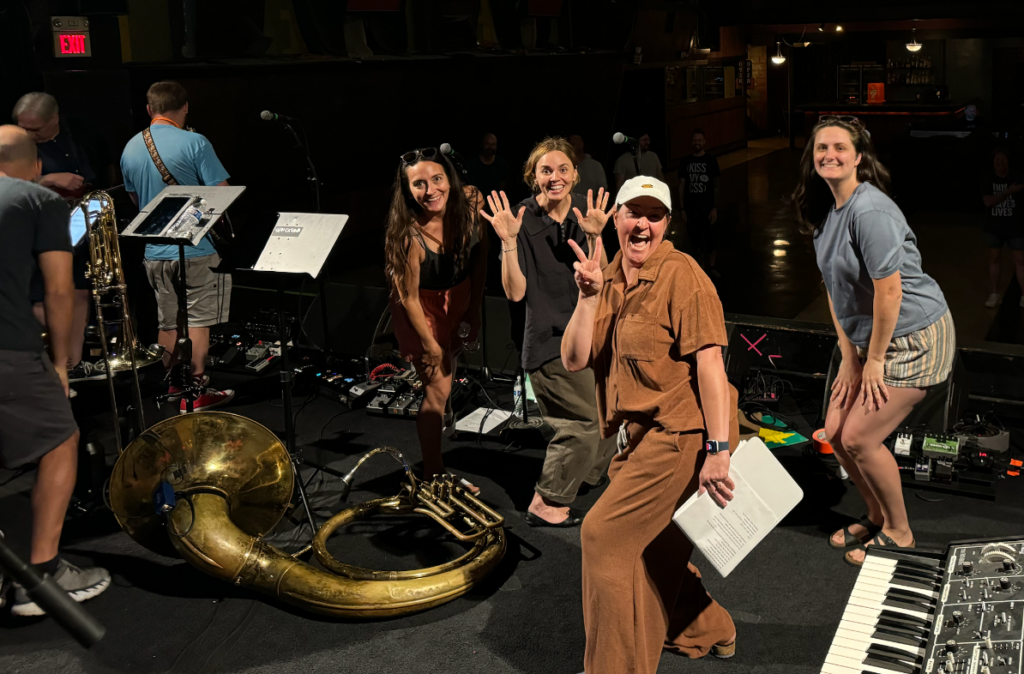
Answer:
(490, 417)
(726, 535)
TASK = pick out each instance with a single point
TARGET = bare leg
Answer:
(861, 439)
(200, 349)
(994, 255)
(1018, 263)
(169, 340)
(55, 480)
(79, 320)
(834, 421)
(430, 421)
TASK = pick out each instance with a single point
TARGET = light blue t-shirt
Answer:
(190, 159)
(869, 239)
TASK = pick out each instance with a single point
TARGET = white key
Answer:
(877, 583)
(862, 641)
(829, 668)
(856, 664)
(875, 603)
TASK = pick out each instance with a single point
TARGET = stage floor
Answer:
(162, 615)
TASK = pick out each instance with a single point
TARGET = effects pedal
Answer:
(903, 443)
(940, 446)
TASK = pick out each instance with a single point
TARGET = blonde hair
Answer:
(549, 144)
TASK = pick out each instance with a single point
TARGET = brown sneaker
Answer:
(724, 651)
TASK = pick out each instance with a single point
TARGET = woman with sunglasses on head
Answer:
(895, 332)
(436, 264)
(536, 267)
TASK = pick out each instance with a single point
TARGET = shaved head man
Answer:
(36, 424)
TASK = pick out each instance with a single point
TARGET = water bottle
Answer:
(517, 396)
(187, 225)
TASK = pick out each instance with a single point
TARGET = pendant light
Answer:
(913, 45)
(778, 59)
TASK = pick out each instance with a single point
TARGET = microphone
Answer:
(457, 161)
(268, 116)
(620, 138)
(446, 148)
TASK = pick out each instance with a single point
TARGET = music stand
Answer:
(165, 220)
(299, 245)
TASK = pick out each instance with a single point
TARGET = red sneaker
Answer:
(174, 392)
(208, 400)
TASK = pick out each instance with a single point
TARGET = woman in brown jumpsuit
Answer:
(651, 326)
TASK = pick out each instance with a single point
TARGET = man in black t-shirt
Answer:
(1004, 222)
(36, 424)
(487, 171)
(698, 200)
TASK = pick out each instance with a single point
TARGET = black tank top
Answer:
(437, 271)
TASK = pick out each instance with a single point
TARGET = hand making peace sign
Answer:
(588, 275)
(506, 225)
(596, 217)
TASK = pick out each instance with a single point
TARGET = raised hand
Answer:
(506, 225)
(595, 220)
(588, 274)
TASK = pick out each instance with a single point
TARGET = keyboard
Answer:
(919, 612)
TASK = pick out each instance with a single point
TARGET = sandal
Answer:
(849, 540)
(724, 651)
(880, 539)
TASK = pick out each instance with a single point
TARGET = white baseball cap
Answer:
(644, 186)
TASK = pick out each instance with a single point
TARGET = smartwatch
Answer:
(715, 446)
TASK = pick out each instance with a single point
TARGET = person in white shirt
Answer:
(650, 165)
(591, 171)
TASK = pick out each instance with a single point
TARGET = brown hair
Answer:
(549, 144)
(166, 96)
(459, 223)
(812, 199)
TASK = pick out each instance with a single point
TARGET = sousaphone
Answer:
(209, 486)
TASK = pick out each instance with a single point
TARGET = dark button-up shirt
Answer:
(64, 155)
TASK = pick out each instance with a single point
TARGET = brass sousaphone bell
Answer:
(224, 482)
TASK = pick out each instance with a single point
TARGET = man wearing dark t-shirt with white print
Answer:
(36, 424)
(1004, 222)
(698, 200)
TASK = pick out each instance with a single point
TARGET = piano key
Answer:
(857, 664)
(920, 589)
(857, 639)
(892, 664)
(896, 635)
(870, 600)
(877, 617)
(830, 668)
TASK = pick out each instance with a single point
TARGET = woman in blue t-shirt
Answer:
(895, 332)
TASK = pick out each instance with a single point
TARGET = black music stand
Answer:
(299, 246)
(166, 220)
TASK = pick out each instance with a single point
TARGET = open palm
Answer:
(506, 225)
(596, 218)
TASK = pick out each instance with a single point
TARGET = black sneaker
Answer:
(87, 371)
(81, 584)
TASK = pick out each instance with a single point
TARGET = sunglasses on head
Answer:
(414, 156)
(848, 119)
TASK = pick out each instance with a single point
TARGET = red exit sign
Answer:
(70, 36)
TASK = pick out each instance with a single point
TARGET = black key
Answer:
(911, 581)
(899, 636)
(907, 605)
(904, 620)
(917, 573)
(920, 563)
(892, 664)
(889, 651)
(906, 595)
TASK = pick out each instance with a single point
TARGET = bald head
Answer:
(18, 156)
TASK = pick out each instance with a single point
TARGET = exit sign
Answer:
(70, 36)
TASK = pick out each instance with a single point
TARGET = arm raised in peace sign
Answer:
(588, 275)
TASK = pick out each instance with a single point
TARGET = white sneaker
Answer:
(81, 584)
(993, 301)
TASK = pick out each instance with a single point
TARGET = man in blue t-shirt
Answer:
(190, 159)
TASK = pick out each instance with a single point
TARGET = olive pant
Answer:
(577, 453)
(640, 593)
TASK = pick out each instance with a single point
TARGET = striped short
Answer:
(922, 358)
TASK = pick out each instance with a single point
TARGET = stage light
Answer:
(821, 28)
(781, 242)
(778, 59)
(839, 29)
(778, 252)
(913, 45)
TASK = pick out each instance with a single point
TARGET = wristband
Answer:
(510, 250)
(716, 446)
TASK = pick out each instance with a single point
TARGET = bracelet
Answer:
(510, 250)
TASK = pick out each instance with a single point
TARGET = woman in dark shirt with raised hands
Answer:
(436, 264)
(895, 332)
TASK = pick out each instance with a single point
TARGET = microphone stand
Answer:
(314, 184)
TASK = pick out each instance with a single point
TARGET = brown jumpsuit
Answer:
(640, 593)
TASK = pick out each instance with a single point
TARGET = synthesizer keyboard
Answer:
(920, 612)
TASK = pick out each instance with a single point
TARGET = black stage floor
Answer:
(162, 615)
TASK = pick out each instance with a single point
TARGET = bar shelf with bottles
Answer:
(913, 70)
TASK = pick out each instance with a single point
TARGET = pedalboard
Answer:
(942, 462)
(936, 446)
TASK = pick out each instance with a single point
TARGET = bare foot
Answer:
(902, 539)
(548, 510)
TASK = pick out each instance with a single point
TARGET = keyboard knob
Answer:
(967, 567)
(1007, 565)
(951, 646)
(1004, 583)
(958, 618)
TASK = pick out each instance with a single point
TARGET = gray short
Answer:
(35, 415)
(209, 294)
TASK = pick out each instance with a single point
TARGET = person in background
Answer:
(895, 331)
(436, 265)
(651, 326)
(36, 423)
(67, 171)
(1004, 223)
(487, 171)
(698, 201)
(625, 166)
(592, 175)
(536, 267)
(191, 160)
